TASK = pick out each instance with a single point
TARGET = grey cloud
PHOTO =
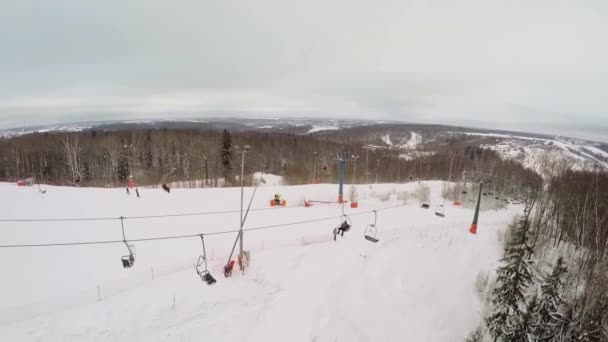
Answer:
(540, 66)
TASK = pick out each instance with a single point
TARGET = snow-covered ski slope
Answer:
(532, 152)
(416, 284)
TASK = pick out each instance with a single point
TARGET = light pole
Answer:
(314, 169)
(246, 149)
(355, 169)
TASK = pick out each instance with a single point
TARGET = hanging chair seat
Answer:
(127, 261)
(371, 233)
(201, 267)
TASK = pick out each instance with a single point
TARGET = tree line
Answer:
(154, 156)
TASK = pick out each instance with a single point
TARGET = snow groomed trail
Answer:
(416, 284)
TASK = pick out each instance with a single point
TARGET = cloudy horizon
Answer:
(536, 67)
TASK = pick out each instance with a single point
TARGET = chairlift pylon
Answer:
(201, 266)
(371, 231)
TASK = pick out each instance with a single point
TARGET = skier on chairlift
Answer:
(344, 227)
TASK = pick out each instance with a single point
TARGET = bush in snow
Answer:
(353, 195)
(403, 196)
(385, 196)
(423, 193)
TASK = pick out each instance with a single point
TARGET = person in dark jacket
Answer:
(166, 188)
(344, 227)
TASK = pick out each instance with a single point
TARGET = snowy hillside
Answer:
(541, 154)
(416, 284)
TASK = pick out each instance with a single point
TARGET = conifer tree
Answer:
(550, 301)
(513, 278)
(524, 327)
(226, 156)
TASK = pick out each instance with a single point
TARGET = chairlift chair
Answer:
(371, 231)
(345, 224)
(201, 267)
(440, 210)
(129, 260)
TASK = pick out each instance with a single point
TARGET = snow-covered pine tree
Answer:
(475, 336)
(226, 156)
(550, 301)
(524, 327)
(513, 277)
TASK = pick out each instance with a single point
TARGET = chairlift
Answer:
(371, 231)
(127, 260)
(201, 266)
(345, 224)
(440, 210)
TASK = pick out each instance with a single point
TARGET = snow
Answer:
(414, 140)
(533, 152)
(387, 139)
(597, 151)
(267, 179)
(322, 128)
(416, 284)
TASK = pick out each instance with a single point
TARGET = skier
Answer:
(228, 269)
(128, 192)
(277, 199)
(166, 188)
(339, 230)
(137, 192)
(344, 227)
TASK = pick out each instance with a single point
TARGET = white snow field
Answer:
(416, 284)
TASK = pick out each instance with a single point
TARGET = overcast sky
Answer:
(537, 65)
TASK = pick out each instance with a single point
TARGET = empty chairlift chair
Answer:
(127, 260)
(371, 231)
(440, 210)
(201, 266)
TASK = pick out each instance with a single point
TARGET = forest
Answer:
(154, 156)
